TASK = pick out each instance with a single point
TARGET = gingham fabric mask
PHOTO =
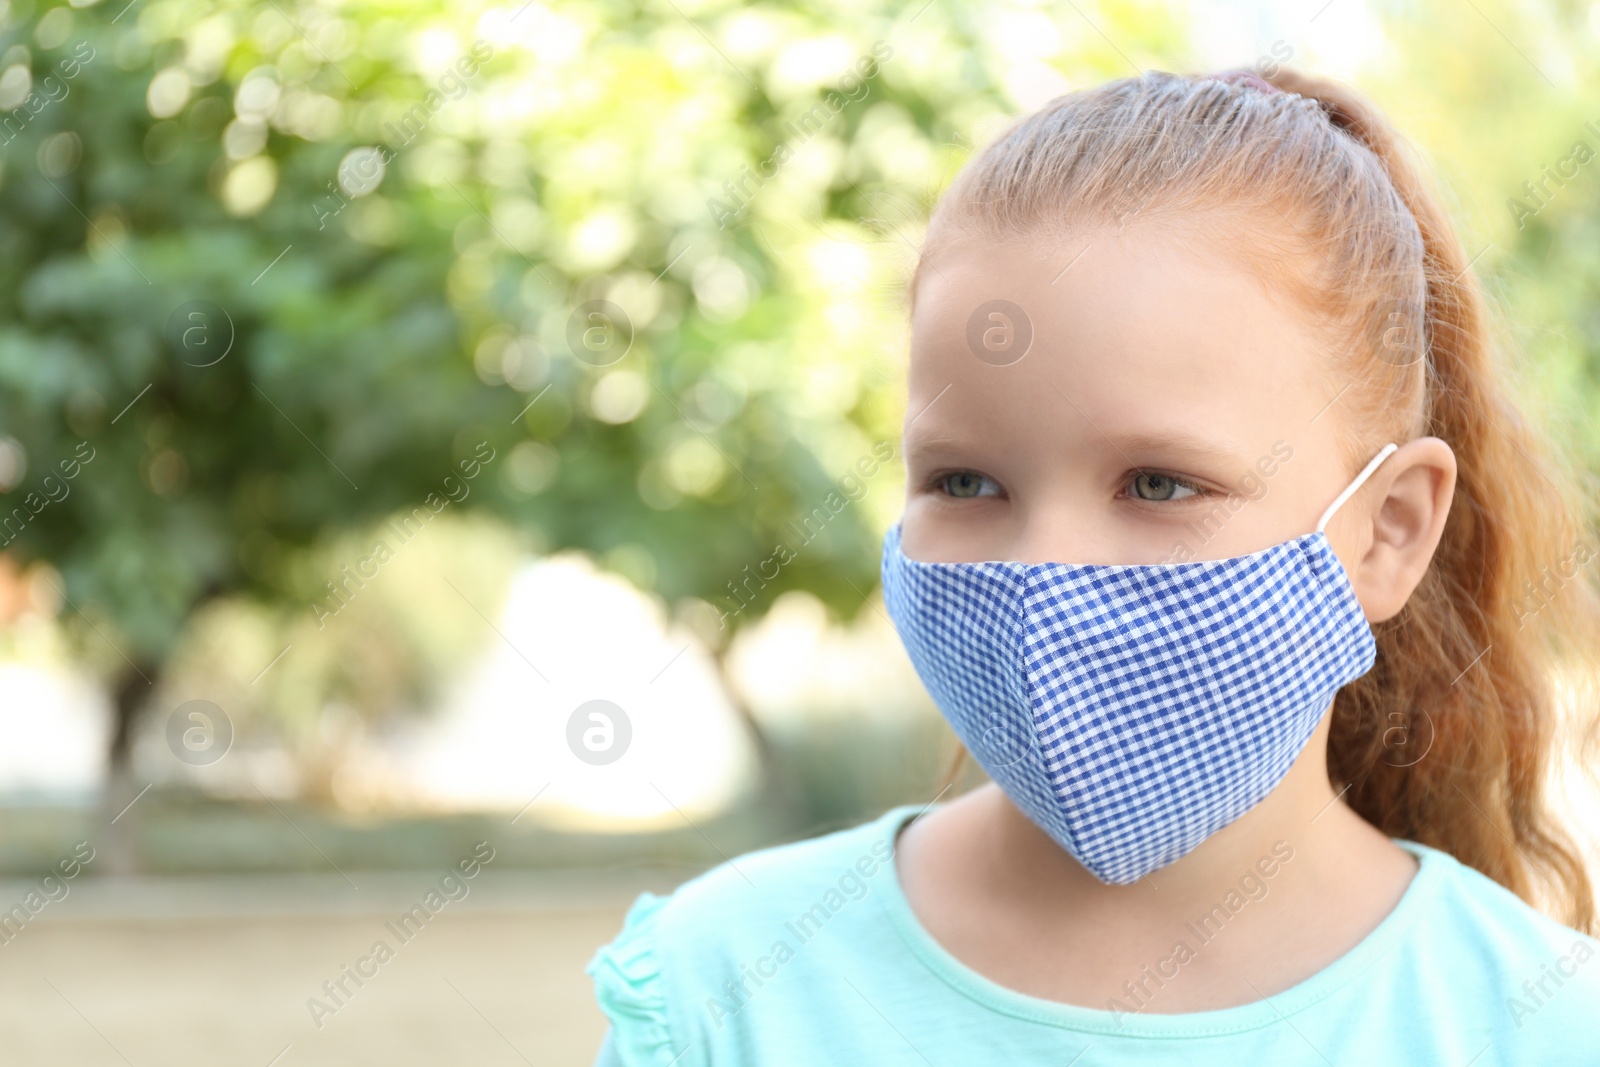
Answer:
(1133, 711)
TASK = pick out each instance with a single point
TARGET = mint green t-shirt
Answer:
(809, 954)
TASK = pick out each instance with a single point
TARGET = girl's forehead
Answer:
(1149, 332)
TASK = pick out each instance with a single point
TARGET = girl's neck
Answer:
(1300, 880)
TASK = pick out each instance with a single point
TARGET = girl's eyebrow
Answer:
(1221, 450)
(918, 441)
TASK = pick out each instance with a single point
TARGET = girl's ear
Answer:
(1405, 526)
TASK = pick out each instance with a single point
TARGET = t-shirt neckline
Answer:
(1238, 1019)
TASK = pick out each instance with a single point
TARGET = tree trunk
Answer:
(778, 786)
(118, 820)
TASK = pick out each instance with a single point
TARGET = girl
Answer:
(1225, 555)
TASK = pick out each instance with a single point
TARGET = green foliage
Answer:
(377, 339)
(595, 151)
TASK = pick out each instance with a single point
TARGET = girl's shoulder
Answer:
(1538, 979)
(686, 963)
(1504, 928)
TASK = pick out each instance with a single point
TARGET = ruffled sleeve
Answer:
(629, 987)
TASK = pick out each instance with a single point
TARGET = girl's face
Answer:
(1168, 407)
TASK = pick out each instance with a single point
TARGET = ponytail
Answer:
(1450, 739)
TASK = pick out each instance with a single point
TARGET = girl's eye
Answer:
(966, 484)
(1148, 485)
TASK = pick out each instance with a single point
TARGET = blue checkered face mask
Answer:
(1133, 711)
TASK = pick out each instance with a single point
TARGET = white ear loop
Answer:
(1349, 490)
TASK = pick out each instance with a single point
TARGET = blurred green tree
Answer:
(270, 274)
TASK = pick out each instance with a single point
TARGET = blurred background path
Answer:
(211, 970)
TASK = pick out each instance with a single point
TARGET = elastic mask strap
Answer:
(1350, 489)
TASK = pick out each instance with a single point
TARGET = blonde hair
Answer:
(1313, 185)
